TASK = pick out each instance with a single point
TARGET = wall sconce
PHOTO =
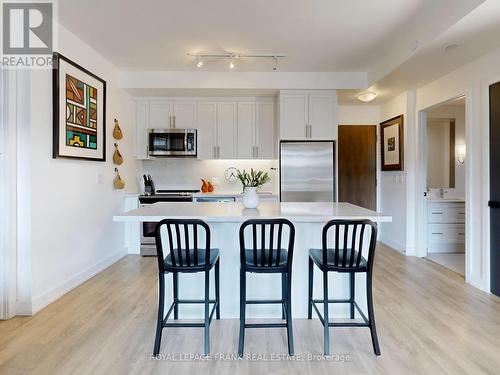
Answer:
(460, 153)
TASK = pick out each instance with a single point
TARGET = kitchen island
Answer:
(225, 219)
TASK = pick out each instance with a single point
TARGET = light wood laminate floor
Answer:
(429, 322)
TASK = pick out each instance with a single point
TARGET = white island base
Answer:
(224, 220)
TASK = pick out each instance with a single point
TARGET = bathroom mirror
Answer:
(440, 153)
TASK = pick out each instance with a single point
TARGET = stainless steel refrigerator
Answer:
(307, 171)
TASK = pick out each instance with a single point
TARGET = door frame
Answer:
(486, 221)
(421, 231)
(8, 198)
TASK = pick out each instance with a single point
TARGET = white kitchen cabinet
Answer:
(246, 130)
(293, 115)
(308, 115)
(207, 129)
(265, 131)
(445, 227)
(184, 114)
(226, 145)
(142, 123)
(160, 115)
(322, 118)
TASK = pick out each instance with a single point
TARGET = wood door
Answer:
(321, 116)
(246, 130)
(494, 202)
(293, 116)
(357, 163)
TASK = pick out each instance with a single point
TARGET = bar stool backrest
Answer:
(349, 235)
(268, 238)
(183, 237)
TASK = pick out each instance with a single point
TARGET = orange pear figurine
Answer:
(210, 187)
(204, 186)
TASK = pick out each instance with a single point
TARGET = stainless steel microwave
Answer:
(172, 142)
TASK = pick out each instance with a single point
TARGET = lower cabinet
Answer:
(445, 227)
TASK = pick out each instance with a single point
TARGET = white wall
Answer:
(393, 184)
(72, 233)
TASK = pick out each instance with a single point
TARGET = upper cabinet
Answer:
(226, 131)
(308, 115)
(242, 128)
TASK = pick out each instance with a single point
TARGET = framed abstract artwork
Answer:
(79, 105)
(391, 135)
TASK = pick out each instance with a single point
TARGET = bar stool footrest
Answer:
(265, 325)
(165, 320)
(345, 324)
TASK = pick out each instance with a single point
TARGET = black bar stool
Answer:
(185, 257)
(267, 256)
(347, 259)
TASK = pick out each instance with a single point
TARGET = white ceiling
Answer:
(377, 38)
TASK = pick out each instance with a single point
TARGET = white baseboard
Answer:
(48, 297)
(24, 308)
(391, 244)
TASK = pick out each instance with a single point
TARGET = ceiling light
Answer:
(201, 57)
(367, 96)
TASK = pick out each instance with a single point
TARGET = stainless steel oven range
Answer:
(148, 243)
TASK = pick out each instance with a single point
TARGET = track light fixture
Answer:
(199, 62)
(204, 56)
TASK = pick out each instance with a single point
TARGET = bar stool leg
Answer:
(326, 337)
(311, 275)
(289, 319)
(243, 297)
(217, 289)
(207, 313)
(371, 315)
(283, 295)
(353, 292)
(176, 295)
(161, 308)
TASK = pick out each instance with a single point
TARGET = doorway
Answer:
(444, 201)
(357, 163)
(494, 199)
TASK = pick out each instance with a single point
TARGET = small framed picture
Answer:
(391, 135)
(79, 112)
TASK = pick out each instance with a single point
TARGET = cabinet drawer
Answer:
(446, 213)
(445, 237)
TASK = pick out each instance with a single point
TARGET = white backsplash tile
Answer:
(186, 173)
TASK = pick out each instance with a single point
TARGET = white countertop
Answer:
(225, 194)
(446, 200)
(235, 212)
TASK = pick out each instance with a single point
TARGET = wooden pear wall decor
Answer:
(117, 131)
(118, 181)
(117, 156)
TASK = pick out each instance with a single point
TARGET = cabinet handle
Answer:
(214, 153)
(169, 121)
(256, 151)
(461, 234)
(310, 131)
(437, 233)
(174, 121)
(218, 152)
(437, 213)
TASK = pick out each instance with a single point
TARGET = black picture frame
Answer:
(399, 121)
(56, 152)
